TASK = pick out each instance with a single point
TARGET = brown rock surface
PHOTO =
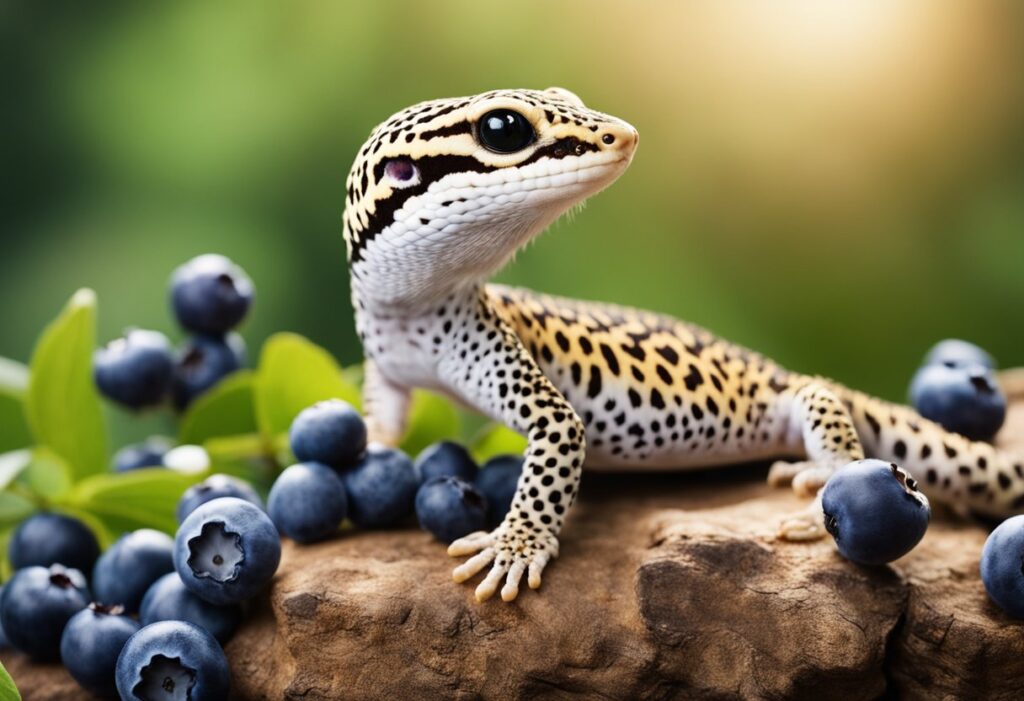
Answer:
(668, 587)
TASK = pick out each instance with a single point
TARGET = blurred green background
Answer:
(836, 184)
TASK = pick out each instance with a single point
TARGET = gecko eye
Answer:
(505, 131)
(402, 173)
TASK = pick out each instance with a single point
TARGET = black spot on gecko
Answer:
(610, 359)
(694, 379)
(900, 450)
(668, 354)
(635, 351)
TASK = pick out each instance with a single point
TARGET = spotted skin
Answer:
(431, 213)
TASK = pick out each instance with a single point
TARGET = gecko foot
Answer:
(806, 477)
(514, 550)
(806, 524)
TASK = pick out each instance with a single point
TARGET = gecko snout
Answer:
(619, 136)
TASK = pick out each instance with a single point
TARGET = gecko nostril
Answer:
(608, 139)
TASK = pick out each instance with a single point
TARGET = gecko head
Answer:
(448, 190)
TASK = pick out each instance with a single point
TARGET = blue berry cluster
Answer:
(338, 476)
(210, 296)
(956, 387)
(456, 497)
(151, 611)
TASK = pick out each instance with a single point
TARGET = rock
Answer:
(668, 587)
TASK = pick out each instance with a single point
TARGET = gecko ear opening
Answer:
(566, 95)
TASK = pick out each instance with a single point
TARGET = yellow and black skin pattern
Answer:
(442, 195)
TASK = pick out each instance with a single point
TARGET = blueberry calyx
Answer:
(106, 609)
(982, 384)
(59, 579)
(227, 282)
(832, 526)
(166, 674)
(216, 553)
(472, 497)
(909, 483)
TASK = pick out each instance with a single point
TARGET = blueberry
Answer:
(46, 539)
(307, 502)
(329, 432)
(450, 508)
(36, 605)
(128, 567)
(874, 511)
(202, 362)
(965, 399)
(135, 370)
(226, 550)
(497, 481)
(210, 294)
(381, 488)
(445, 459)
(1002, 566)
(149, 453)
(91, 642)
(172, 661)
(953, 351)
(169, 600)
(215, 487)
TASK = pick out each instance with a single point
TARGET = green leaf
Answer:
(62, 405)
(14, 508)
(129, 500)
(48, 474)
(294, 373)
(14, 431)
(5, 561)
(226, 410)
(431, 418)
(496, 439)
(8, 691)
(247, 456)
(13, 464)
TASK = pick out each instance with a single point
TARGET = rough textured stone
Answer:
(668, 587)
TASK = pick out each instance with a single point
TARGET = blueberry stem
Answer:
(249, 445)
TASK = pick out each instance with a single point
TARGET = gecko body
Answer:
(442, 195)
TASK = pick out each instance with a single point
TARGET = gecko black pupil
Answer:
(505, 131)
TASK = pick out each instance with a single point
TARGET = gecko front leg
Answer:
(385, 406)
(492, 369)
(830, 441)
